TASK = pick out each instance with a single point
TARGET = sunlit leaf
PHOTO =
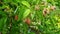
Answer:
(26, 4)
(26, 13)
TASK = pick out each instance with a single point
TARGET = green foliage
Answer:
(43, 14)
(26, 4)
(26, 13)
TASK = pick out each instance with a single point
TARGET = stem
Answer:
(10, 25)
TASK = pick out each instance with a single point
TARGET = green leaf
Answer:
(26, 13)
(2, 22)
(26, 4)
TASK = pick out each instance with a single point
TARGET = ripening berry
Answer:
(37, 7)
(0, 32)
(16, 17)
(27, 21)
(52, 7)
(45, 11)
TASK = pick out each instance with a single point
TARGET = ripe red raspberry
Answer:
(28, 21)
(16, 17)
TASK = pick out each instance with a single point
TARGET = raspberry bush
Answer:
(29, 17)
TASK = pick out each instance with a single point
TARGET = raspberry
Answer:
(16, 17)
